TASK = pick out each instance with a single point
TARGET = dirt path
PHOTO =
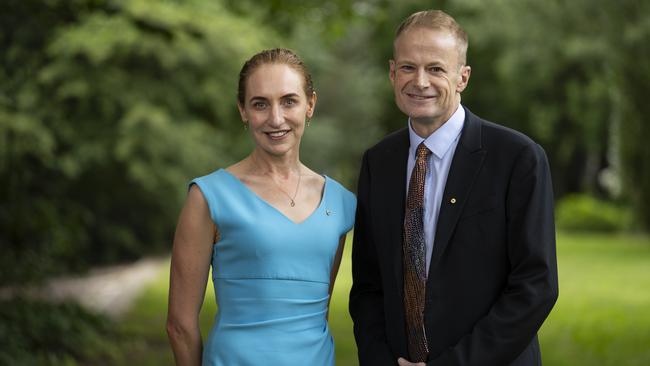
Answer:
(109, 290)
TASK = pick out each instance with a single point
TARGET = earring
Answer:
(245, 125)
(308, 120)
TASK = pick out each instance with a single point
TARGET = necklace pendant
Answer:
(292, 203)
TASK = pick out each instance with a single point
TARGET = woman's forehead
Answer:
(275, 79)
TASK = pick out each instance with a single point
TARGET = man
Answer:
(453, 258)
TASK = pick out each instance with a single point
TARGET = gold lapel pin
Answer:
(452, 200)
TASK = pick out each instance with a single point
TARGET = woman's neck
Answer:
(281, 166)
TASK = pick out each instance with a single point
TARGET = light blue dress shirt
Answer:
(442, 144)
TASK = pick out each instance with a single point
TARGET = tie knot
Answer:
(422, 151)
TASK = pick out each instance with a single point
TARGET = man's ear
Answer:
(463, 78)
(391, 71)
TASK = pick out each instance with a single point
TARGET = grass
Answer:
(601, 318)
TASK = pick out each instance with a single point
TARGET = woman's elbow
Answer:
(179, 331)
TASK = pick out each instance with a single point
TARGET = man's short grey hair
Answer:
(437, 20)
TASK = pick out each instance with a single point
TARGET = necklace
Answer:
(293, 203)
(291, 198)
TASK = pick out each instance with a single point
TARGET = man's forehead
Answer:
(432, 45)
(426, 37)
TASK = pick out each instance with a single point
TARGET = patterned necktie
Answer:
(414, 259)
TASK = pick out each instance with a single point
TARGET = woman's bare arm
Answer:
(190, 266)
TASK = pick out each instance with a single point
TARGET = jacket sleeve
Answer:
(366, 296)
(532, 284)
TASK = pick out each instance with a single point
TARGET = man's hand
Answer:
(402, 362)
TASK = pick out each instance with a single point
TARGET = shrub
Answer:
(40, 333)
(582, 212)
(107, 109)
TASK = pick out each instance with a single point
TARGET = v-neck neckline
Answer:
(251, 192)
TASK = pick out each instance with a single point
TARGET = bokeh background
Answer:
(109, 107)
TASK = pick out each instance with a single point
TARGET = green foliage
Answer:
(632, 78)
(568, 75)
(107, 109)
(583, 212)
(542, 69)
(325, 20)
(348, 107)
(39, 333)
(349, 84)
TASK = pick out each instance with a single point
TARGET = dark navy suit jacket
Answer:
(493, 274)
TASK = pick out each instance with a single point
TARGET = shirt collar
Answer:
(441, 140)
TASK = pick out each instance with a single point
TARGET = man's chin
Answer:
(426, 112)
(424, 117)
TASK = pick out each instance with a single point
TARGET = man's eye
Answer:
(407, 68)
(259, 105)
(436, 69)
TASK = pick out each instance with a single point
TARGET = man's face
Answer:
(426, 75)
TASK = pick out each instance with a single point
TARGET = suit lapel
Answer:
(466, 163)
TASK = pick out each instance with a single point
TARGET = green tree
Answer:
(335, 39)
(629, 36)
(107, 109)
(567, 73)
(540, 69)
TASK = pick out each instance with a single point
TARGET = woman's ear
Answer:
(311, 104)
(242, 113)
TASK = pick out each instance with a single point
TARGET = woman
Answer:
(272, 229)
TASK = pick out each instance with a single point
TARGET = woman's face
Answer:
(275, 108)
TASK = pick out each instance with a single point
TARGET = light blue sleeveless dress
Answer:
(271, 275)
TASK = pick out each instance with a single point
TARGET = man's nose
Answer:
(421, 79)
